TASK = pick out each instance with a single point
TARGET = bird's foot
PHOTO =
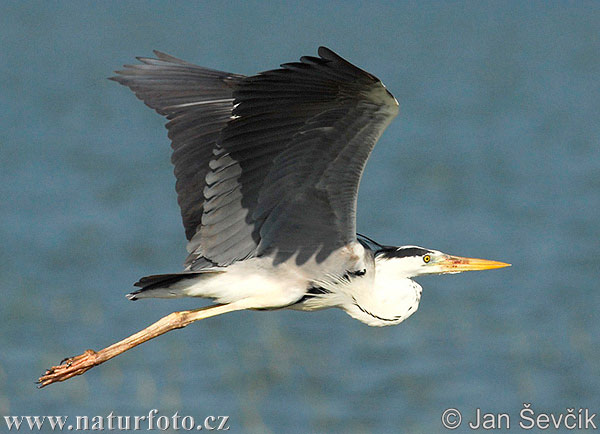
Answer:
(68, 368)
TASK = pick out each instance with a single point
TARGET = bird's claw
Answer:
(66, 360)
(67, 368)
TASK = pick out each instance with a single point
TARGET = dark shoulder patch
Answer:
(401, 252)
(313, 290)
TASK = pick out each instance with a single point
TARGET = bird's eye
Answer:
(426, 258)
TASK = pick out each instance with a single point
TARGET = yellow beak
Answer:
(458, 264)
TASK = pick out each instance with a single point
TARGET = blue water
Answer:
(496, 154)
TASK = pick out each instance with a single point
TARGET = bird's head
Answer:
(411, 261)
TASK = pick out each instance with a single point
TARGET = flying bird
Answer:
(268, 168)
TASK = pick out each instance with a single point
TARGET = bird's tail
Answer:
(163, 285)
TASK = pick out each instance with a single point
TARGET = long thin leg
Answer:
(77, 365)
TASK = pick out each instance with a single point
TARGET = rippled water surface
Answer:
(496, 154)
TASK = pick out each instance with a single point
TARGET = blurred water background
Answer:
(495, 154)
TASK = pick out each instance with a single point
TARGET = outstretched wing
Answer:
(282, 178)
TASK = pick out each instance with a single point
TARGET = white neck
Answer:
(391, 298)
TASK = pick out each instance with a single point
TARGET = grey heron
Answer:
(268, 169)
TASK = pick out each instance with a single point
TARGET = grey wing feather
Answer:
(198, 103)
